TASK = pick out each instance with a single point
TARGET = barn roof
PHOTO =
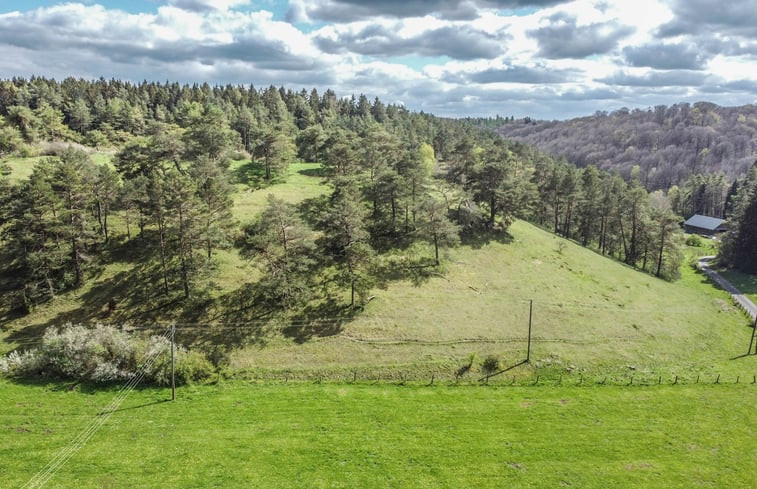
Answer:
(704, 222)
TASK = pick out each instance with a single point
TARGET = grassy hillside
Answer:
(21, 167)
(139, 301)
(590, 314)
(318, 436)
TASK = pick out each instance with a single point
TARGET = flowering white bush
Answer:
(104, 354)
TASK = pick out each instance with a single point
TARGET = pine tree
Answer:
(345, 239)
(282, 241)
(214, 192)
(739, 247)
(434, 225)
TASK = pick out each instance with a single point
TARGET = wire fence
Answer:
(450, 377)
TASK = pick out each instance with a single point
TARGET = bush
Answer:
(490, 364)
(104, 354)
(191, 366)
(694, 240)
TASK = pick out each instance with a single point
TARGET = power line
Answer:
(63, 456)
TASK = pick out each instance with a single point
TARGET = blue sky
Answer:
(550, 59)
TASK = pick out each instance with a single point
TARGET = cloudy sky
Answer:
(549, 59)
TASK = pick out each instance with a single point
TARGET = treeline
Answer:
(739, 247)
(170, 185)
(402, 186)
(669, 144)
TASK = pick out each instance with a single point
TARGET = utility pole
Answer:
(173, 384)
(530, 316)
(751, 341)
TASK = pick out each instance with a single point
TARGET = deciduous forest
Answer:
(670, 144)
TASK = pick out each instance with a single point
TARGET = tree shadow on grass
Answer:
(745, 282)
(252, 174)
(477, 238)
(132, 296)
(311, 210)
(320, 320)
(312, 172)
(416, 269)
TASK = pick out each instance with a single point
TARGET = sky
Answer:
(547, 59)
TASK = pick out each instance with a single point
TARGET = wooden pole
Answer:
(751, 341)
(530, 316)
(173, 383)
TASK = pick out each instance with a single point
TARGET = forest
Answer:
(402, 187)
(671, 145)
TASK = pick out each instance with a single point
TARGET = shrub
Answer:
(694, 240)
(490, 364)
(104, 354)
(190, 366)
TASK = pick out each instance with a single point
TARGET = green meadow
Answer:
(242, 434)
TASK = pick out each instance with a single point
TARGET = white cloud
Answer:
(207, 5)
(481, 59)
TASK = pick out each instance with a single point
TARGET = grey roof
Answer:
(704, 222)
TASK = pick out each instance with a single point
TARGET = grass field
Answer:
(21, 167)
(330, 436)
(302, 182)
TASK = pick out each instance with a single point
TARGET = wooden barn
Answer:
(704, 225)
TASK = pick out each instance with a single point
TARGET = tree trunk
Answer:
(436, 249)
(557, 214)
(161, 235)
(492, 211)
(105, 224)
(77, 261)
(662, 247)
(183, 253)
(568, 217)
(623, 239)
(99, 208)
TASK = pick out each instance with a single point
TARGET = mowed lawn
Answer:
(384, 436)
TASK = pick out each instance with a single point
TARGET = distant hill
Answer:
(669, 143)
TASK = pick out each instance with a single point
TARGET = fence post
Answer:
(530, 316)
(173, 382)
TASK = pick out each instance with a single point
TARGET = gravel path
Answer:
(741, 299)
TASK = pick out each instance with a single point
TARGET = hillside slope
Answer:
(668, 143)
(590, 313)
